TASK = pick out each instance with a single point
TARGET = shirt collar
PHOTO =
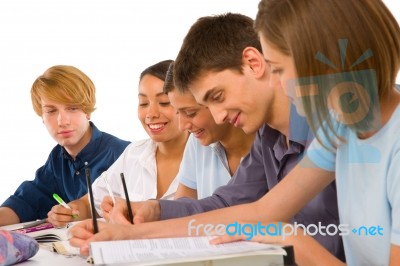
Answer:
(299, 131)
(219, 150)
(148, 155)
(90, 148)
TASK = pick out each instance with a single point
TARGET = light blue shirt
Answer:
(204, 168)
(368, 186)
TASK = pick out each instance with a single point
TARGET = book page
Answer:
(49, 235)
(44, 232)
(64, 248)
(169, 250)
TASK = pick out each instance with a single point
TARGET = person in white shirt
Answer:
(212, 153)
(149, 166)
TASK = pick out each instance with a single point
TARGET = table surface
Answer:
(46, 257)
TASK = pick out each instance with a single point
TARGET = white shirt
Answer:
(138, 163)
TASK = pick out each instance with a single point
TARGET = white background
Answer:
(111, 41)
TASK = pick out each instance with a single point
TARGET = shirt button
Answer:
(77, 172)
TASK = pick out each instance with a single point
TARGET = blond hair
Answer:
(66, 85)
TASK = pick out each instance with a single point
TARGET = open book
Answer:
(50, 237)
(45, 233)
(185, 250)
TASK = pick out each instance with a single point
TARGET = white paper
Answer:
(169, 250)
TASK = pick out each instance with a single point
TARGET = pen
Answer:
(62, 202)
(128, 203)
(34, 223)
(93, 211)
(40, 227)
(109, 189)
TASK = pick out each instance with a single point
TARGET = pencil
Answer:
(110, 192)
(92, 209)
(128, 203)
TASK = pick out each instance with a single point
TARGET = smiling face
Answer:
(67, 124)
(155, 112)
(196, 118)
(242, 99)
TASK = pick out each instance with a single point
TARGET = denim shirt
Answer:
(62, 175)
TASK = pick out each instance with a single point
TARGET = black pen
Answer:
(128, 203)
(92, 209)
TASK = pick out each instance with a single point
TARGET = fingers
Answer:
(106, 215)
(225, 239)
(84, 250)
(79, 235)
(60, 216)
(107, 204)
(118, 212)
(104, 235)
(75, 210)
(82, 234)
(118, 218)
(138, 219)
(115, 213)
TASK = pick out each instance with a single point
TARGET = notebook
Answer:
(52, 238)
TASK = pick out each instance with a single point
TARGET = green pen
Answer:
(62, 202)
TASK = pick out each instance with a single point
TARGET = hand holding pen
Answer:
(62, 214)
(65, 205)
(110, 192)
(113, 209)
